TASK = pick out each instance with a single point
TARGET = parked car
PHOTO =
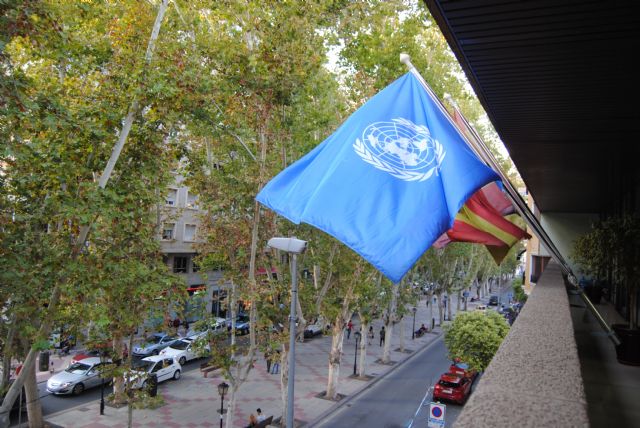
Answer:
(493, 300)
(184, 350)
(481, 308)
(242, 324)
(154, 344)
(215, 325)
(452, 387)
(164, 367)
(464, 370)
(81, 375)
(312, 330)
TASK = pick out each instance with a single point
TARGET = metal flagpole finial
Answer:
(406, 60)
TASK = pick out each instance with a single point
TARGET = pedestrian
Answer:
(261, 417)
(267, 356)
(276, 363)
(370, 335)
(349, 327)
(382, 334)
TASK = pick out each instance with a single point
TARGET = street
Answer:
(401, 399)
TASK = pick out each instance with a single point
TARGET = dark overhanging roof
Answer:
(558, 81)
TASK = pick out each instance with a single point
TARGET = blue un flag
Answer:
(387, 183)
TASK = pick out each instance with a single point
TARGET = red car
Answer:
(452, 387)
(464, 370)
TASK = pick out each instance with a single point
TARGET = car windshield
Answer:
(448, 384)
(181, 345)
(78, 368)
(154, 339)
(143, 365)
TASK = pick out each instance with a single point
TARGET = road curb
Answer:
(369, 385)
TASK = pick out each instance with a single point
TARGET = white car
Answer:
(216, 325)
(163, 367)
(184, 350)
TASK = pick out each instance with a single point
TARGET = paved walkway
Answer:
(193, 400)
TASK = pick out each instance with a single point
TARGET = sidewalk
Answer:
(57, 362)
(193, 401)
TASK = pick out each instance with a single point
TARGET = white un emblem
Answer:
(400, 147)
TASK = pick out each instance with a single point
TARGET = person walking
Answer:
(382, 334)
(268, 355)
(370, 335)
(276, 363)
(261, 417)
(349, 328)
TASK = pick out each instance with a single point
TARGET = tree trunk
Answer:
(335, 357)
(440, 309)
(7, 354)
(364, 330)
(449, 305)
(402, 330)
(34, 408)
(231, 406)
(389, 322)
(119, 395)
(233, 303)
(458, 300)
(466, 299)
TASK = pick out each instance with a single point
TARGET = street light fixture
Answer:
(294, 247)
(222, 390)
(357, 335)
(102, 361)
(413, 334)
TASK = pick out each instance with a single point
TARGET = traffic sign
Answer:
(465, 294)
(436, 415)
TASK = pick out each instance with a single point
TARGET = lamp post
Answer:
(102, 359)
(413, 332)
(357, 335)
(294, 247)
(222, 390)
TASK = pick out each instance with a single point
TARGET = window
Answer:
(192, 201)
(195, 267)
(172, 197)
(180, 264)
(167, 231)
(189, 232)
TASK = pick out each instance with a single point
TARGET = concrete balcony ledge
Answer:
(535, 378)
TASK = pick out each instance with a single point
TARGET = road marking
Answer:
(420, 405)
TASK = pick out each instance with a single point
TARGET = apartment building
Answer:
(178, 237)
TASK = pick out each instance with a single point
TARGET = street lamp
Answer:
(294, 247)
(102, 361)
(357, 335)
(222, 390)
(413, 334)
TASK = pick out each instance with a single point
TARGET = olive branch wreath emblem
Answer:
(361, 149)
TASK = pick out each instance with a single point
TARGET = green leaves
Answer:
(474, 337)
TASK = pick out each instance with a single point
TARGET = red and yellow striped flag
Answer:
(481, 221)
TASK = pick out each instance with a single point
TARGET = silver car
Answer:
(154, 344)
(79, 376)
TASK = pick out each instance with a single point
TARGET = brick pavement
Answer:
(193, 400)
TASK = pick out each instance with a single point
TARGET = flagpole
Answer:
(480, 148)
